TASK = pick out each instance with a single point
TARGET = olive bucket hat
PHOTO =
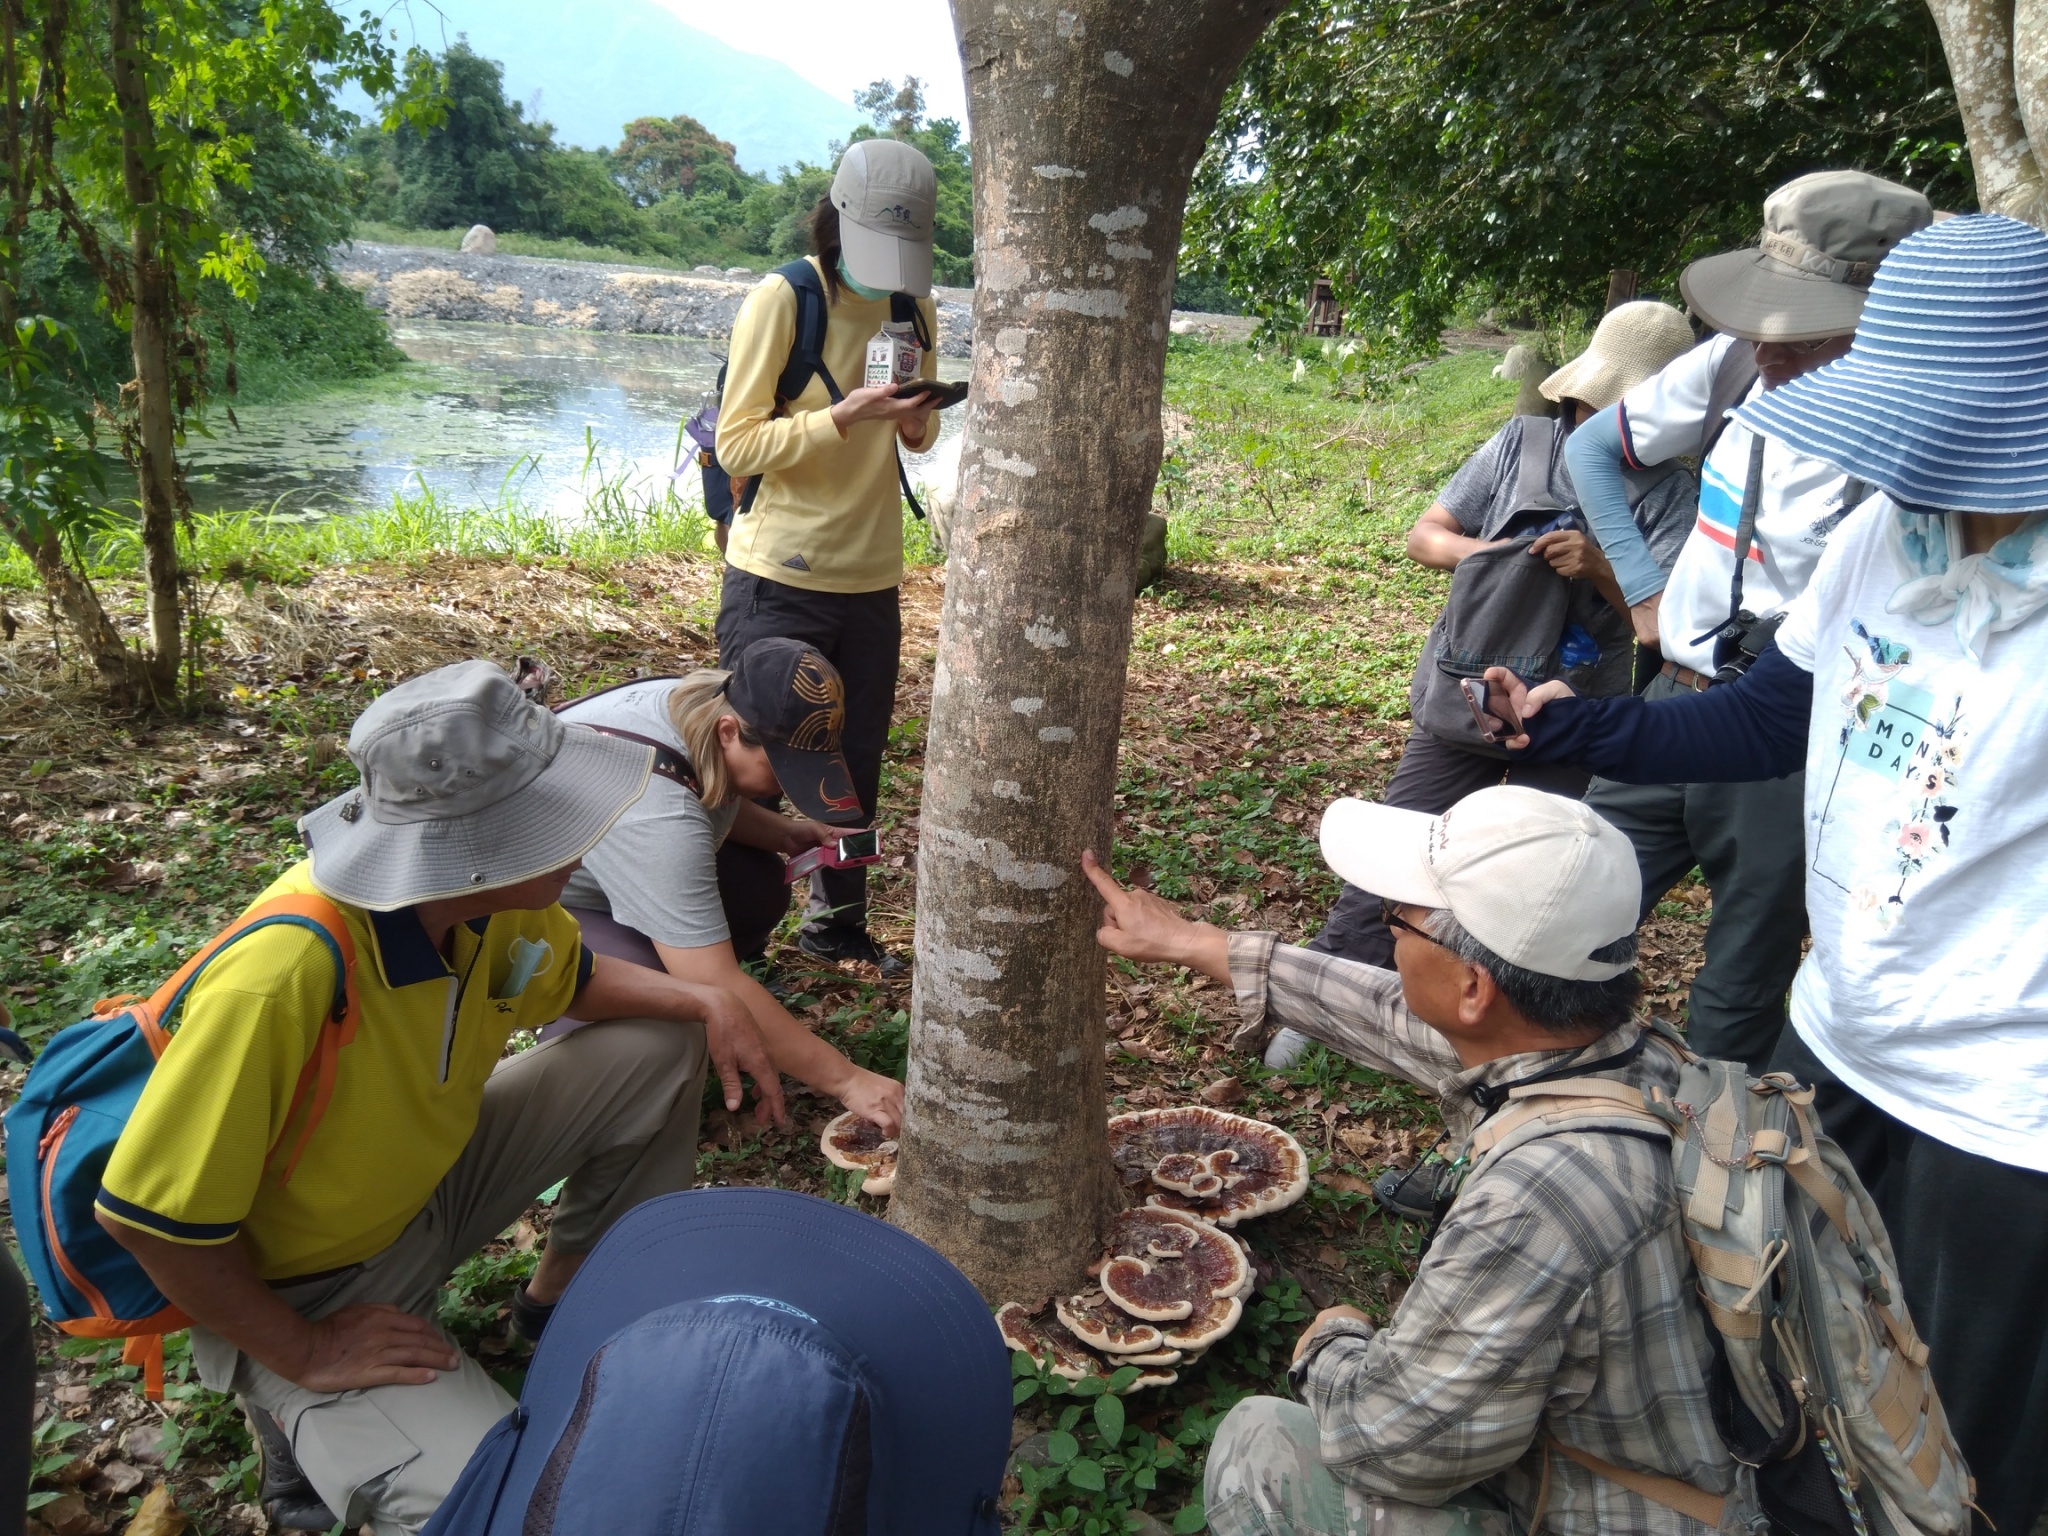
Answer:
(1806, 277)
(467, 786)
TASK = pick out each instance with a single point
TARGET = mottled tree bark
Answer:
(1087, 119)
(150, 328)
(1995, 55)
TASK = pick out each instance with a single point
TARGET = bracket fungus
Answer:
(1099, 1323)
(1218, 1166)
(851, 1142)
(1168, 1267)
(1044, 1336)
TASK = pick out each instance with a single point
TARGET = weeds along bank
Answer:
(1268, 676)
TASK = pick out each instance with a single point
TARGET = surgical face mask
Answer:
(862, 289)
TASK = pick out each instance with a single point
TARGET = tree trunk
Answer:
(79, 607)
(151, 320)
(1087, 118)
(1999, 94)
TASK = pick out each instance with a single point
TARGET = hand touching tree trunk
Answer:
(1087, 117)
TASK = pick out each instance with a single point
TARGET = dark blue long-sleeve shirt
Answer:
(1752, 728)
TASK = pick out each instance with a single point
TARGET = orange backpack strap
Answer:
(316, 1078)
(153, 1014)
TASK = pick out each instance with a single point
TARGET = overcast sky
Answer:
(841, 47)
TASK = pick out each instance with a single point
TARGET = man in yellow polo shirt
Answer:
(311, 1278)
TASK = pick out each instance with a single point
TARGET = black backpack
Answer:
(1510, 609)
(725, 497)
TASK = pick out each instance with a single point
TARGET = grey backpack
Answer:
(1821, 1388)
(1508, 608)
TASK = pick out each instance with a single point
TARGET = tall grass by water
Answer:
(624, 511)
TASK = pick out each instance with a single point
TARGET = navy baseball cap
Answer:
(730, 1361)
(795, 702)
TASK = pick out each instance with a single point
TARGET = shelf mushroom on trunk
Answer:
(857, 1144)
(1221, 1167)
(1043, 1335)
(1169, 1267)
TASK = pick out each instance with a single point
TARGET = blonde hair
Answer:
(695, 706)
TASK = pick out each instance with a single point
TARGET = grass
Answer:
(513, 244)
(1268, 676)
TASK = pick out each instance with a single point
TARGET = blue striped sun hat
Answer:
(1943, 399)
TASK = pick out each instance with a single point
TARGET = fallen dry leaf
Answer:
(159, 1515)
(1225, 1090)
(1345, 1183)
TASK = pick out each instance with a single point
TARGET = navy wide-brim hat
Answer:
(738, 1359)
(1942, 401)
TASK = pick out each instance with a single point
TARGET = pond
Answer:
(488, 413)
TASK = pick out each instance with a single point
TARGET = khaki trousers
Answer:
(1266, 1478)
(612, 1108)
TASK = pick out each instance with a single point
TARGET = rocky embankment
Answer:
(408, 281)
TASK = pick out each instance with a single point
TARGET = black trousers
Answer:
(17, 1395)
(1432, 776)
(1971, 1236)
(1749, 841)
(860, 633)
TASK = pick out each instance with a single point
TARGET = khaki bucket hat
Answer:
(1633, 343)
(1806, 277)
(467, 786)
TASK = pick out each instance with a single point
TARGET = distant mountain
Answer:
(600, 63)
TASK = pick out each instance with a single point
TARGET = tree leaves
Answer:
(1412, 150)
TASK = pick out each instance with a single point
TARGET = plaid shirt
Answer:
(1556, 1300)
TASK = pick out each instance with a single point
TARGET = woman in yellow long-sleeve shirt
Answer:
(819, 556)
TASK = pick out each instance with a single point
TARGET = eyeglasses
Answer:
(1393, 919)
(1807, 348)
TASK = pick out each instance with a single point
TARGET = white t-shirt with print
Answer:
(1665, 417)
(1927, 856)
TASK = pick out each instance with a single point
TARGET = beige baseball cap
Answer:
(1633, 343)
(1806, 277)
(887, 194)
(1538, 879)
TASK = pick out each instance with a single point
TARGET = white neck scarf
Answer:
(1984, 594)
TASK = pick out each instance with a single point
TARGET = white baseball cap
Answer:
(1538, 879)
(886, 193)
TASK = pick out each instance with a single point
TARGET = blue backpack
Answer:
(77, 1101)
(725, 497)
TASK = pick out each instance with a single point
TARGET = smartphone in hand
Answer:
(1485, 710)
(942, 395)
(854, 849)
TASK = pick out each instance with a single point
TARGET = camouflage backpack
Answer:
(1821, 1386)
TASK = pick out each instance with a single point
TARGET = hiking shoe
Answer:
(530, 1317)
(836, 944)
(287, 1498)
(1286, 1048)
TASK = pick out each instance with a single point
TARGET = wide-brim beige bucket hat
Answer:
(467, 786)
(1810, 270)
(1633, 343)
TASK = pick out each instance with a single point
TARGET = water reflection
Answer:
(492, 410)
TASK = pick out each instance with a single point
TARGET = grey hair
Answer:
(1550, 1002)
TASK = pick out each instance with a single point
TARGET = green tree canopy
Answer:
(1414, 150)
(663, 157)
(481, 164)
